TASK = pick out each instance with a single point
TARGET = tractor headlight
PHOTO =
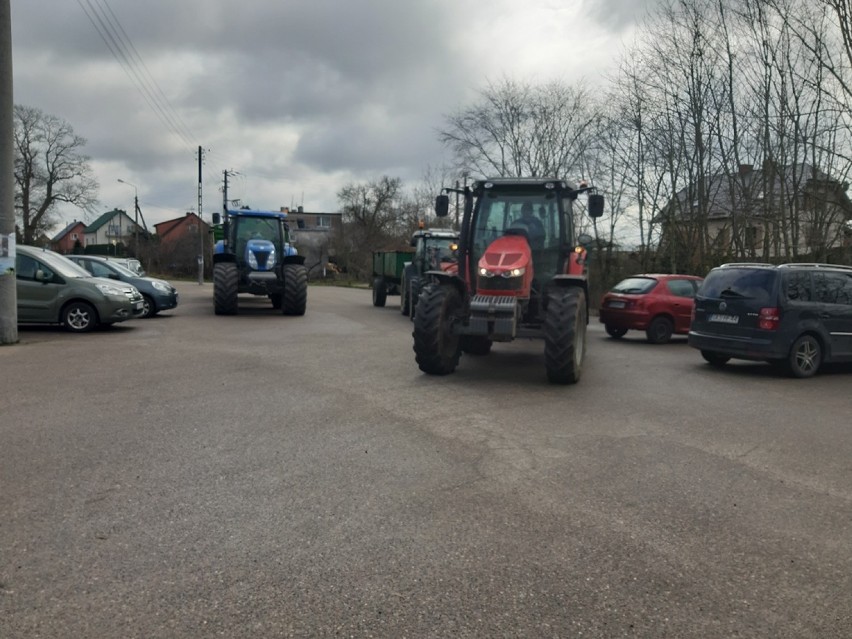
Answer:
(484, 272)
(515, 272)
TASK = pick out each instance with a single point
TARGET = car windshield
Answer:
(635, 285)
(61, 264)
(123, 270)
(751, 283)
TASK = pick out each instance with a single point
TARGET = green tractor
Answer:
(256, 255)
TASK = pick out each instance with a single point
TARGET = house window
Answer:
(193, 228)
(74, 236)
(300, 223)
(324, 221)
(114, 229)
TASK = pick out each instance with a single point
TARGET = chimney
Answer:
(301, 210)
(745, 169)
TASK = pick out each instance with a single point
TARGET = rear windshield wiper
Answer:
(729, 292)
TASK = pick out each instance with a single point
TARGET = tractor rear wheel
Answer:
(565, 335)
(436, 348)
(380, 291)
(295, 289)
(225, 288)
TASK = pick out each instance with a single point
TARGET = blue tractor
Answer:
(256, 255)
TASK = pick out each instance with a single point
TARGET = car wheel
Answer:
(660, 330)
(714, 359)
(79, 317)
(149, 309)
(805, 357)
(615, 333)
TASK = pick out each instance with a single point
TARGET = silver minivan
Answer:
(51, 289)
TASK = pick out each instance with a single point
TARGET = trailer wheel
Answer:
(436, 348)
(225, 288)
(380, 291)
(295, 289)
(565, 335)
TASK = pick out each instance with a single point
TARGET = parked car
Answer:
(159, 295)
(51, 289)
(659, 304)
(795, 316)
(130, 263)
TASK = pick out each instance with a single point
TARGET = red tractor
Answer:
(522, 273)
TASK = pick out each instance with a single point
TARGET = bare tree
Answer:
(50, 169)
(521, 130)
(373, 219)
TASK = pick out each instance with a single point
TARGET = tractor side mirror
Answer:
(585, 240)
(596, 204)
(442, 205)
(217, 218)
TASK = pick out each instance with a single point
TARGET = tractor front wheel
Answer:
(226, 284)
(413, 294)
(404, 296)
(295, 289)
(565, 335)
(436, 347)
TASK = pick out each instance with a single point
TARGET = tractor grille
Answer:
(262, 257)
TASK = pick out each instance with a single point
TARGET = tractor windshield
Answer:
(534, 214)
(439, 250)
(257, 228)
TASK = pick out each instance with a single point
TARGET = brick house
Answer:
(180, 245)
(70, 238)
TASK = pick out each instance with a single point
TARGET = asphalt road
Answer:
(269, 476)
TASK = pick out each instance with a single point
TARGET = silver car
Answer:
(52, 289)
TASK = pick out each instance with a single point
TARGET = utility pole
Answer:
(8, 292)
(200, 228)
(136, 219)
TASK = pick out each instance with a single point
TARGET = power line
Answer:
(120, 48)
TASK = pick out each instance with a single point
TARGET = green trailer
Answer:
(388, 268)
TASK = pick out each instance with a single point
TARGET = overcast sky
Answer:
(299, 97)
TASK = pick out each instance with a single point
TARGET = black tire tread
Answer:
(295, 298)
(564, 332)
(433, 354)
(225, 288)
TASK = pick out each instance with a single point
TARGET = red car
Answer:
(660, 305)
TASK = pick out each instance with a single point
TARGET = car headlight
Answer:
(107, 289)
(161, 286)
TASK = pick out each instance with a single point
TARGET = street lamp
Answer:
(136, 219)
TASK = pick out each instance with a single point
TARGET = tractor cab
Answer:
(257, 239)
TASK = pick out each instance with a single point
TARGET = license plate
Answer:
(724, 319)
(137, 306)
(616, 304)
